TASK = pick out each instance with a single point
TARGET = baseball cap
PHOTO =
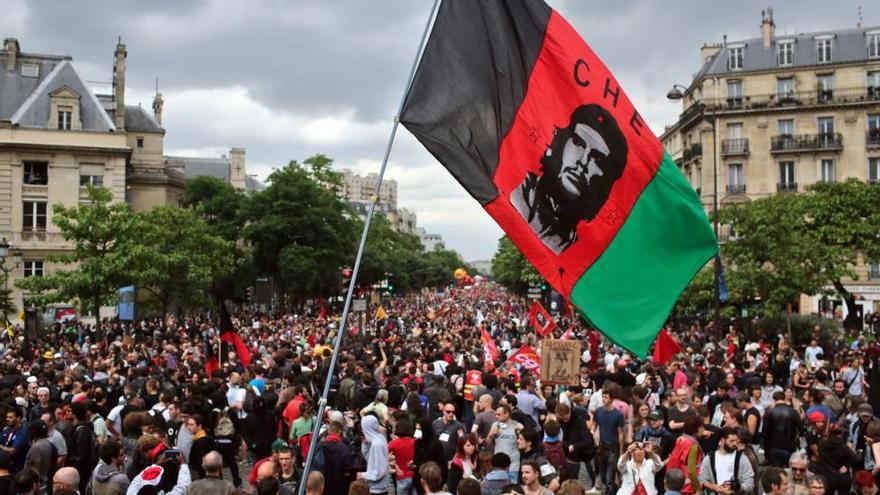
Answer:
(865, 409)
(279, 445)
(655, 415)
(337, 416)
(48, 354)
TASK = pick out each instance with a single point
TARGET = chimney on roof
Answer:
(768, 28)
(157, 107)
(119, 84)
(707, 51)
(237, 168)
(10, 46)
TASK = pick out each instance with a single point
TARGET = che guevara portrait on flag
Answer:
(578, 169)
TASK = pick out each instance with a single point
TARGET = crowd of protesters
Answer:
(417, 408)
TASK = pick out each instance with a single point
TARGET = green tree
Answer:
(98, 266)
(302, 232)
(844, 218)
(511, 269)
(221, 206)
(7, 307)
(774, 256)
(176, 257)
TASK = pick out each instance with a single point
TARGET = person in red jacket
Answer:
(686, 454)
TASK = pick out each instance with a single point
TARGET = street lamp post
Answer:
(16, 260)
(677, 93)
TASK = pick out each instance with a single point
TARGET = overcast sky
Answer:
(288, 79)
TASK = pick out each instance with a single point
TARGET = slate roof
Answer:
(25, 100)
(138, 119)
(849, 45)
(211, 167)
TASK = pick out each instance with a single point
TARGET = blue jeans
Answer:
(405, 487)
(607, 460)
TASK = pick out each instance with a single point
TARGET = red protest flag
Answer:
(527, 358)
(490, 350)
(527, 118)
(665, 347)
(229, 335)
(541, 320)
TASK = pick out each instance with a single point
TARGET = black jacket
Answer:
(83, 451)
(333, 458)
(781, 428)
(575, 433)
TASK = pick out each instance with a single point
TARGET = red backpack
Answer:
(555, 455)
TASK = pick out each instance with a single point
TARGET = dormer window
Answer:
(785, 53)
(65, 117)
(824, 49)
(873, 44)
(64, 110)
(735, 58)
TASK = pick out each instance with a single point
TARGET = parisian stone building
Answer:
(57, 136)
(779, 112)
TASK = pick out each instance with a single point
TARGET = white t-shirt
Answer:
(724, 464)
(115, 418)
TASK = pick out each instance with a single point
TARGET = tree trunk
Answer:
(851, 322)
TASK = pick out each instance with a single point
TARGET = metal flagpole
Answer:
(322, 402)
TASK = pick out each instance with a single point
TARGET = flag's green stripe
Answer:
(629, 291)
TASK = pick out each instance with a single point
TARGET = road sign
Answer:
(534, 293)
(359, 305)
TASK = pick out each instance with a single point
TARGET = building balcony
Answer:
(34, 190)
(786, 187)
(823, 97)
(730, 147)
(872, 138)
(693, 151)
(736, 189)
(795, 143)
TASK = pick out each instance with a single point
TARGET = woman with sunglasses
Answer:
(637, 467)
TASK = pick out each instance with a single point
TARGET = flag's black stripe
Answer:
(470, 82)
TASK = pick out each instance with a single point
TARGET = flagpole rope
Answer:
(337, 346)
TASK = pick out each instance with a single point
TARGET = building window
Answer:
(735, 58)
(785, 88)
(825, 87)
(874, 129)
(34, 218)
(734, 94)
(873, 84)
(786, 127)
(65, 117)
(823, 50)
(36, 173)
(784, 53)
(140, 142)
(874, 271)
(33, 268)
(827, 170)
(735, 179)
(874, 170)
(91, 180)
(874, 45)
(825, 126)
(786, 176)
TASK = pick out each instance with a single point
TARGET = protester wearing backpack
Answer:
(83, 452)
(226, 442)
(725, 472)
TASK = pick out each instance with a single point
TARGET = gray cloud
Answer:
(291, 79)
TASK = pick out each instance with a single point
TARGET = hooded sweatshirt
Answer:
(375, 450)
(109, 480)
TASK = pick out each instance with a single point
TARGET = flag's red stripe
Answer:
(552, 94)
(244, 354)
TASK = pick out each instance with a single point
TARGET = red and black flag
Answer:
(212, 364)
(541, 320)
(230, 336)
(526, 117)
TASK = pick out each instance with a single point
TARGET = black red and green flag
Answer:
(526, 117)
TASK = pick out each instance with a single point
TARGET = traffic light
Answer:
(249, 294)
(390, 288)
(544, 287)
